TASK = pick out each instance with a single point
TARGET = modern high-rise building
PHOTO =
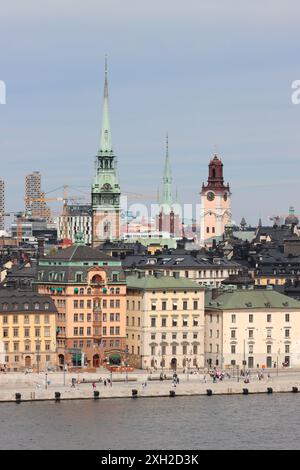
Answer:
(105, 188)
(215, 204)
(2, 204)
(35, 205)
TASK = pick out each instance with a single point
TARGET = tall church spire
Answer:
(167, 179)
(105, 143)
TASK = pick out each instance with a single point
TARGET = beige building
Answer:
(27, 330)
(251, 328)
(165, 323)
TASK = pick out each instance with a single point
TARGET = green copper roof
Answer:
(161, 283)
(250, 299)
(105, 142)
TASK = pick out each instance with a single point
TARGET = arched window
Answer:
(46, 305)
(26, 306)
(112, 290)
(97, 279)
(81, 291)
(117, 291)
(36, 306)
(89, 291)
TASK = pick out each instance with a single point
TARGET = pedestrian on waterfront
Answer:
(104, 382)
(94, 385)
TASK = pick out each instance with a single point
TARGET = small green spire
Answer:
(79, 239)
(105, 143)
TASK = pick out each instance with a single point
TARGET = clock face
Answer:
(107, 187)
(210, 196)
(225, 197)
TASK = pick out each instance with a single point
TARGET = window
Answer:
(153, 306)
(47, 319)
(75, 331)
(75, 303)
(184, 322)
(16, 332)
(287, 349)
(195, 322)
(233, 334)
(233, 318)
(184, 305)
(37, 319)
(287, 333)
(287, 317)
(89, 331)
(269, 349)
(269, 333)
(75, 317)
(163, 322)
(174, 322)
(36, 306)
(269, 318)
(5, 319)
(15, 319)
(27, 332)
(164, 305)
(195, 305)
(251, 318)
(153, 322)
(37, 332)
(233, 349)
(81, 303)
(251, 348)
(81, 331)
(251, 334)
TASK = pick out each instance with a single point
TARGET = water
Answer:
(233, 422)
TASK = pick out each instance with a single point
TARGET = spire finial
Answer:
(167, 144)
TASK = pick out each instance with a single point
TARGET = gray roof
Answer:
(176, 260)
(78, 253)
(10, 298)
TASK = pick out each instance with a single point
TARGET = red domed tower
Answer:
(215, 203)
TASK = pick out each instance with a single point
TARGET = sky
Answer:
(215, 74)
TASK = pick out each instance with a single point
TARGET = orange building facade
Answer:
(89, 291)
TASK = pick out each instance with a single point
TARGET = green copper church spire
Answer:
(167, 179)
(105, 143)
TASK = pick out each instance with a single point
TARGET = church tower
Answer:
(215, 210)
(105, 188)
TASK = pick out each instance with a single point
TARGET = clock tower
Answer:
(215, 211)
(105, 188)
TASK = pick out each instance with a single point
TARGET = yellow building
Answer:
(251, 328)
(27, 331)
(165, 323)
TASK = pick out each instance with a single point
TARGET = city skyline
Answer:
(210, 91)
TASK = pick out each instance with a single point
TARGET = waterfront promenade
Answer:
(40, 386)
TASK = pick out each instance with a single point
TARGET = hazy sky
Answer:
(213, 73)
